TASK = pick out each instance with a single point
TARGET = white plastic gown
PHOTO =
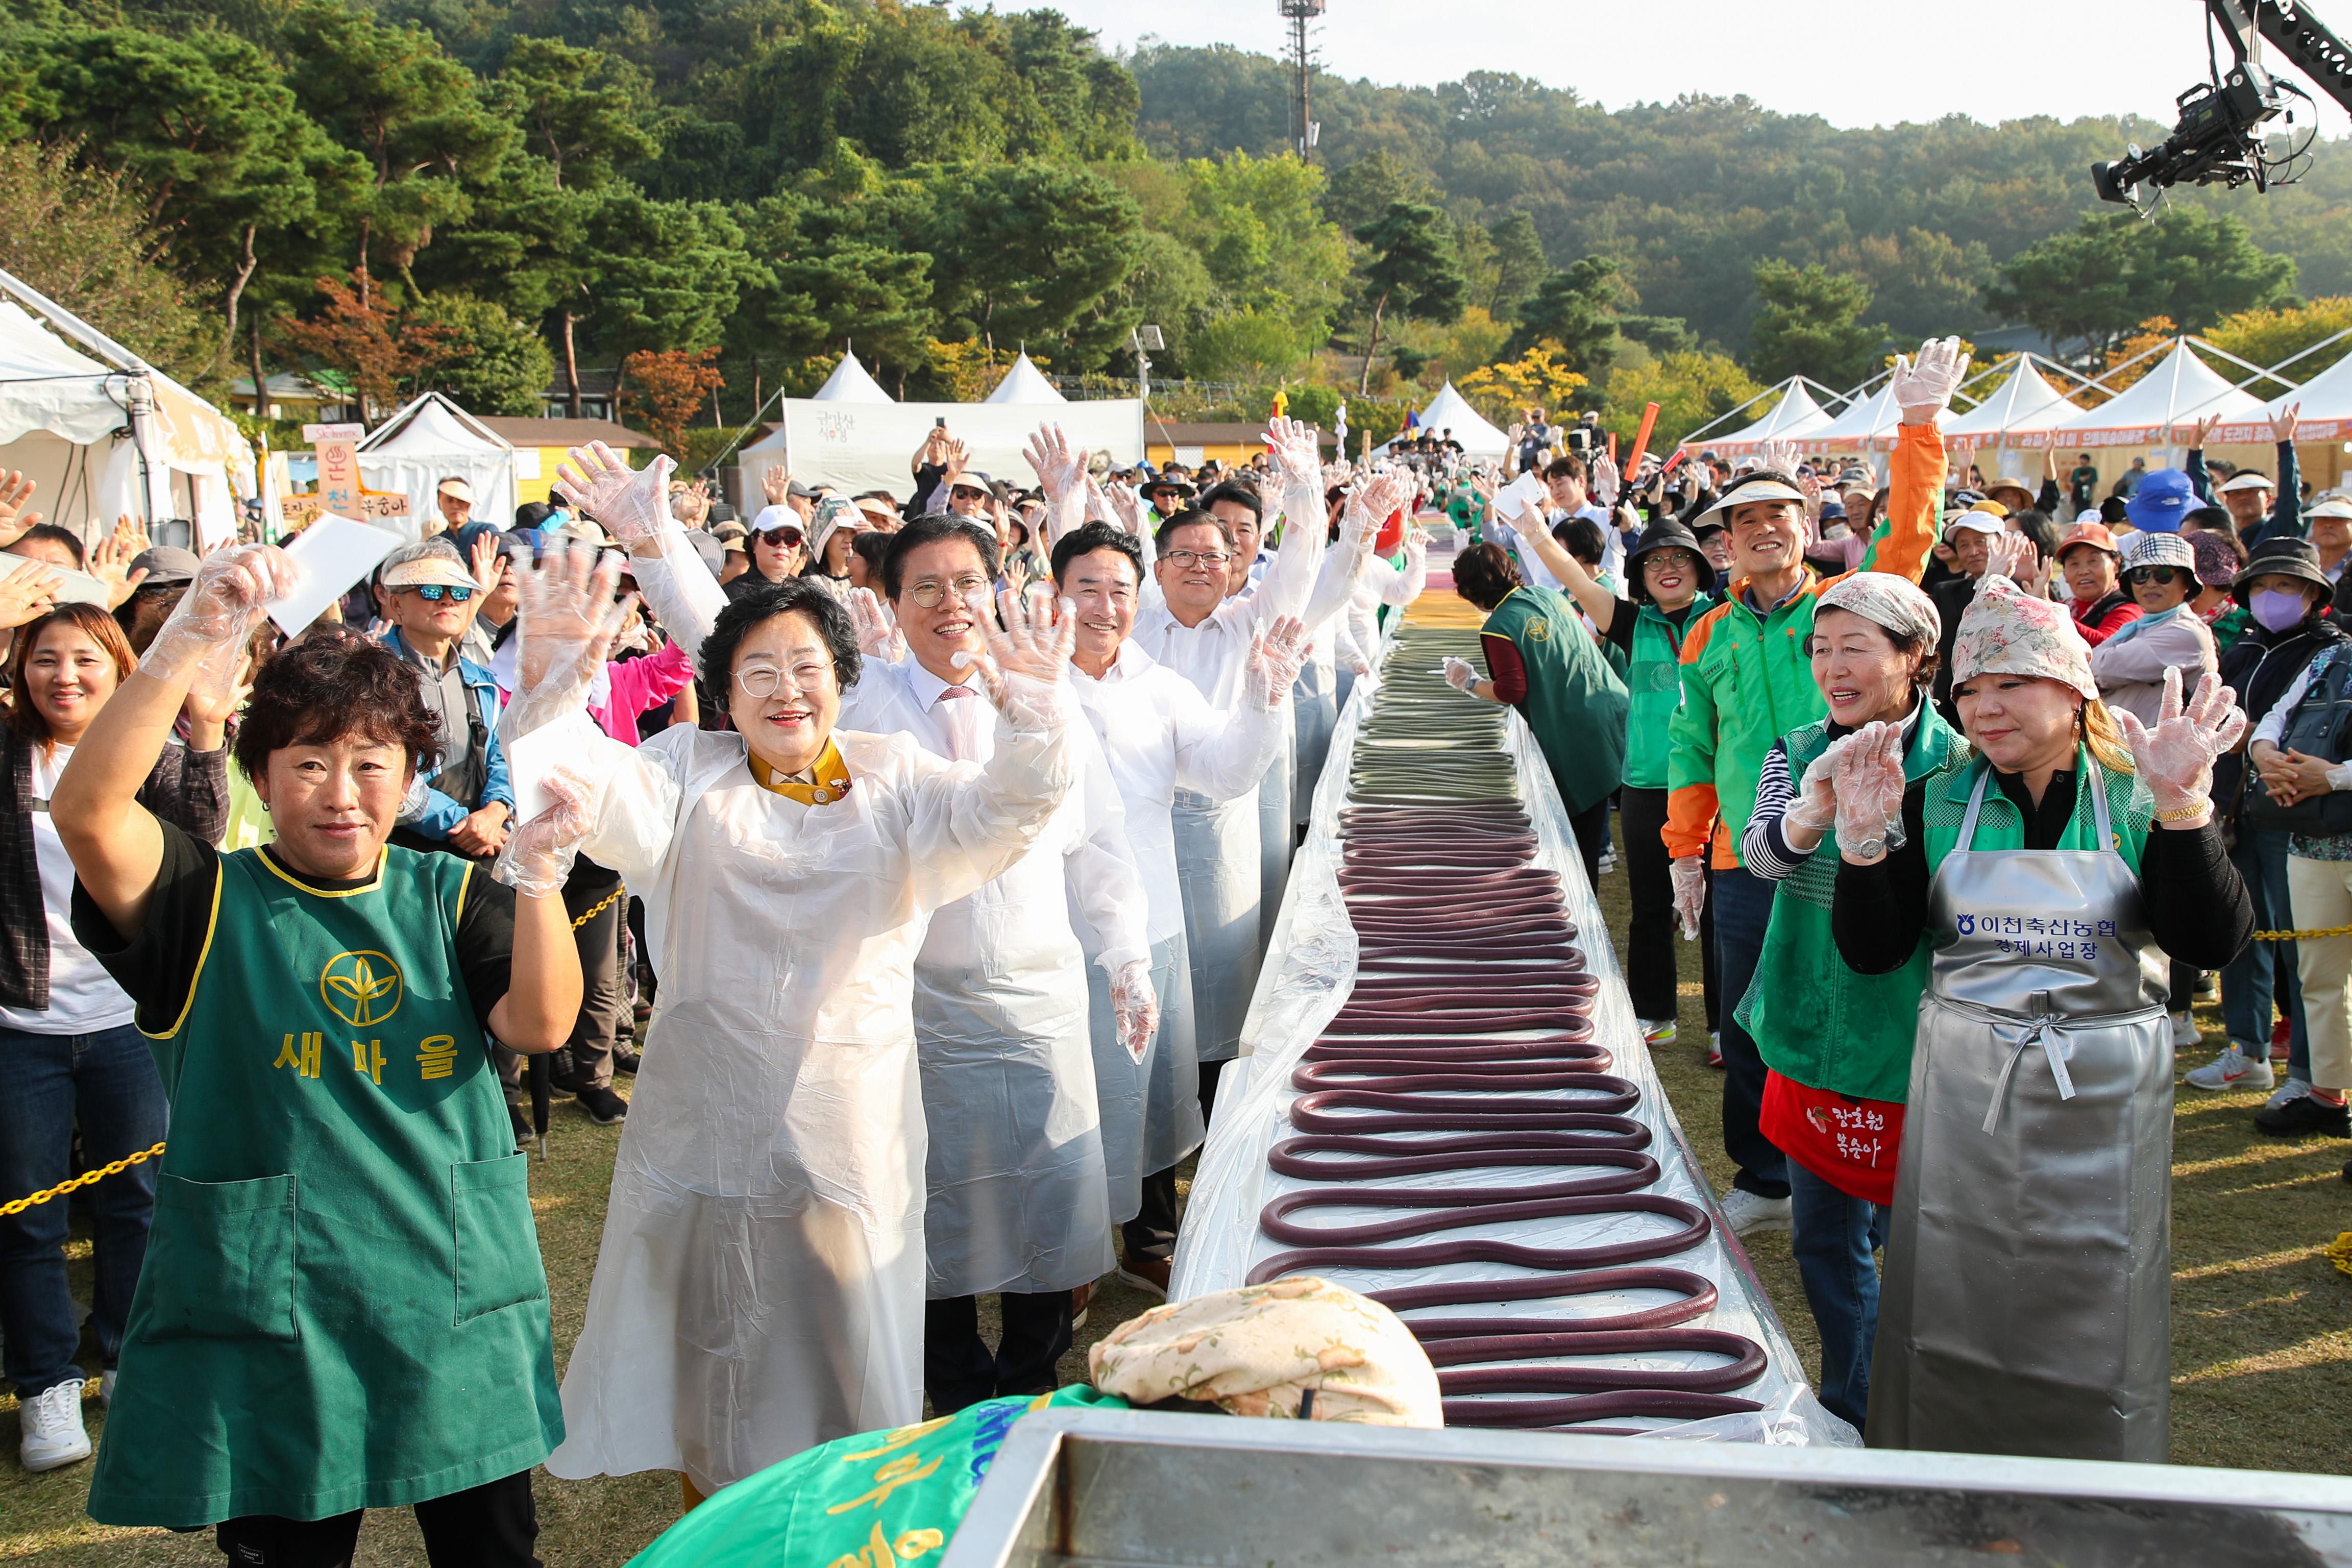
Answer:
(1018, 1196)
(759, 1286)
(1159, 734)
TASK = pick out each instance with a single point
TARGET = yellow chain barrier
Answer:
(2339, 1252)
(2312, 935)
(615, 897)
(19, 1205)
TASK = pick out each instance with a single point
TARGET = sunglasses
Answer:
(433, 593)
(2140, 575)
(781, 538)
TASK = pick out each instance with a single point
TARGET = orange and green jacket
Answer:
(1748, 680)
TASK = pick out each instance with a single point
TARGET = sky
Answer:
(2011, 59)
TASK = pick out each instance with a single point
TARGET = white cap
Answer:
(2248, 482)
(2332, 506)
(1741, 494)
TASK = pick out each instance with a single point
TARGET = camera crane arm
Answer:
(2291, 29)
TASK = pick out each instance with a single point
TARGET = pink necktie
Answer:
(963, 725)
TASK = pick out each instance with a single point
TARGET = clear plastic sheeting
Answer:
(1309, 972)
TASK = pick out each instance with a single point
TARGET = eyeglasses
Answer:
(764, 679)
(433, 593)
(1676, 558)
(2140, 575)
(781, 538)
(1185, 560)
(930, 593)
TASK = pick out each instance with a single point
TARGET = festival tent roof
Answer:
(2325, 411)
(2181, 388)
(1866, 423)
(432, 439)
(1795, 417)
(850, 384)
(1025, 383)
(1449, 410)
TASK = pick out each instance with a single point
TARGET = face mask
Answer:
(1834, 530)
(2275, 610)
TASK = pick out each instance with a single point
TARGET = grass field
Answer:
(2262, 1326)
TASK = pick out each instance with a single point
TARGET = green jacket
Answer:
(1653, 681)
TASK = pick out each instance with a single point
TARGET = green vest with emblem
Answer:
(1814, 1020)
(1654, 683)
(343, 1305)
(1944, 805)
(1575, 703)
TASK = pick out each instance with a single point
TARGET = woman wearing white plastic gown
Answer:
(760, 1282)
(1018, 1199)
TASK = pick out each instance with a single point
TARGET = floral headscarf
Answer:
(1290, 1349)
(2006, 631)
(1886, 600)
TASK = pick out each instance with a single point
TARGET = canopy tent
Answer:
(1449, 410)
(109, 435)
(432, 439)
(850, 384)
(2026, 402)
(2180, 390)
(1025, 383)
(1867, 425)
(2325, 412)
(855, 447)
(1795, 417)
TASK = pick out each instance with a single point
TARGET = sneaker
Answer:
(2306, 1113)
(2234, 1070)
(51, 1423)
(1148, 1275)
(1608, 862)
(2293, 1089)
(625, 1060)
(2209, 985)
(1657, 1031)
(1079, 1297)
(524, 1136)
(2184, 1031)
(106, 1389)
(1714, 1049)
(1748, 1212)
(602, 1105)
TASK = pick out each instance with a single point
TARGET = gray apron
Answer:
(1218, 872)
(2026, 1303)
(1274, 825)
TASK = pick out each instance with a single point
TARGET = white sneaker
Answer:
(1608, 862)
(53, 1434)
(2293, 1089)
(1748, 1213)
(1657, 1031)
(2234, 1070)
(2184, 1031)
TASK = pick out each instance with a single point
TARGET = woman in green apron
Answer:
(1837, 1045)
(342, 1306)
(2054, 875)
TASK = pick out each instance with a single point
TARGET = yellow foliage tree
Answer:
(971, 368)
(1690, 390)
(1501, 392)
(2266, 337)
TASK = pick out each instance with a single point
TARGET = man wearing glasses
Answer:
(463, 805)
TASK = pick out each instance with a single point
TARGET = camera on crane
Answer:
(2218, 141)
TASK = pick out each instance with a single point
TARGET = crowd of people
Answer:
(917, 856)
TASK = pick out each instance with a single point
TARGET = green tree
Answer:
(1023, 252)
(1574, 308)
(1245, 346)
(578, 110)
(1415, 271)
(506, 367)
(1809, 322)
(816, 290)
(1519, 262)
(2114, 271)
(1360, 194)
(1258, 226)
(83, 236)
(665, 275)
(1690, 389)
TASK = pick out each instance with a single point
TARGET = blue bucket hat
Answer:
(2162, 502)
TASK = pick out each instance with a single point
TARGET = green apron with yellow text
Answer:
(343, 1305)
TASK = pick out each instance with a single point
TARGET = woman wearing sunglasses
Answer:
(2160, 574)
(779, 546)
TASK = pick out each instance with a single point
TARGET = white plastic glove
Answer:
(537, 861)
(1276, 654)
(203, 639)
(1924, 387)
(1604, 480)
(878, 633)
(1061, 470)
(566, 618)
(2014, 556)
(1813, 808)
(1125, 506)
(632, 503)
(1460, 673)
(1370, 505)
(1689, 873)
(1027, 664)
(1782, 457)
(2176, 758)
(1297, 455)
(1135, 1006)
(1868, 778)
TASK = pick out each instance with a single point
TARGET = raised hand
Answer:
(1868, 779)
(878, 633)
(1604, 480)
(109, 562)
(1292, 445)
(633, 504)
(567, 619)
(2014, 556)
(1924, 387)
(775, 483)
(2203, 433)
(205, 633)
(2175, 757)
(27, 590)
(16, 490)
(956, 458)
(1782, 456)
(1276, 654)
(215, 702)
(1060, 467)
(1135, 1006)
(537, 860)
(2284, 422)
(1028, 660)
(488, 565)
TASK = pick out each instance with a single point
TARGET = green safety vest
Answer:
(342, 1305)
(1575, 703)
(2130, 814)
(1814, 1020)
(1654, 683)
(876, 1500)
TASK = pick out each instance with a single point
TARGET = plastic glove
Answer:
(1782, 457)
(537, 861)
(566, 618)
(2176, 758)
(1923, 388)
(1125, 506)
(878, 633)
(1026, 667)
(2014, 556)
(204, 639)
(1276, 654)
(1868, 778)
(1813, 809)
(1135, 1006)
(1059, 467)
(1689, 876)
(1371, 504)
(1297, 455)
(1604, 480)
(633, 504)
(1460, 673)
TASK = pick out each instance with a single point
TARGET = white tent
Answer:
(2326, 413)
(103, 433)
(2013, 417)
(1025, 383)
(2180, 390)
(1449, 410)
(1795, 417)
(850, 384)
(1867, 425)
(432, 439)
